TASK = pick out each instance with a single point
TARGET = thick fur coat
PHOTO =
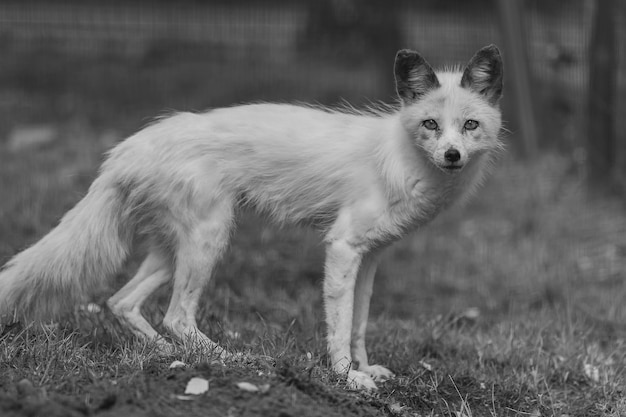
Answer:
(364, 179)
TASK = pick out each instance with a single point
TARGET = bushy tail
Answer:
(88, 247)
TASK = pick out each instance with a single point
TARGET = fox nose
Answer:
(452, 155)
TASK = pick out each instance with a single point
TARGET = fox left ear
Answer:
(484, 74)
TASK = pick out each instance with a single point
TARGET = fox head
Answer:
(452, 115)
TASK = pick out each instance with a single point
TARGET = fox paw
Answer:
(377, 372)
(358, 380)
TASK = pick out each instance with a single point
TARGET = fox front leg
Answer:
(342, 266)
(362, 296)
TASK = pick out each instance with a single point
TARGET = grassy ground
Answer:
(509, 306)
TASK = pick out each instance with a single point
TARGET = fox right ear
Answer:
(414, 76)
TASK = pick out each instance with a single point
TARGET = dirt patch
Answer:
(158, 391)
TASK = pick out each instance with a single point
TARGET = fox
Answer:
(363, 178)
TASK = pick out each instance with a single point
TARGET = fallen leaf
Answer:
(426, 366)
(197, 386)
(233, 335)
(93, 308)
(471, 313)
(177, 364)
(592, 372)
(396, 408)
(246, 386)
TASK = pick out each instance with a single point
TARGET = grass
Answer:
(509, 306)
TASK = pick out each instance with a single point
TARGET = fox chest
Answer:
(414, 210)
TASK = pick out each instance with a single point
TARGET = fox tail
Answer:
(88, 247)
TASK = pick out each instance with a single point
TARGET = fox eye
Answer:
(470, 124)
(430, 124)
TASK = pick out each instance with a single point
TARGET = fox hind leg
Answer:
(199, 249)
(125, 304)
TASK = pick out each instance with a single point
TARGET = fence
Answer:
(284, 50)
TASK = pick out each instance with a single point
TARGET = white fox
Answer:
(364, 179)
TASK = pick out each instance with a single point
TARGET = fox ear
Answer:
(414, 76)
(484, 74)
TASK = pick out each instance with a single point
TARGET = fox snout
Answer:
(453, 159)
(450, 155)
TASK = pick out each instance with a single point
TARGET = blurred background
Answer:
(78, 76)
(116, 64)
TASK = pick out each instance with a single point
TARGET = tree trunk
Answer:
(602, 145)
(516, 64)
